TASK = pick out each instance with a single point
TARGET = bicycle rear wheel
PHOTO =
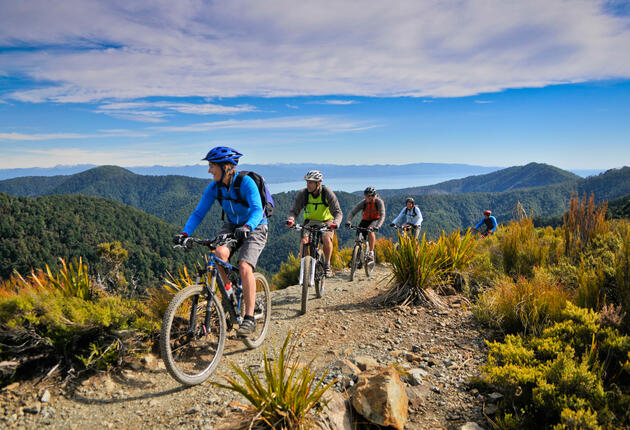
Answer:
(355, 261)
(320, 276)
(305, 280)
(193, 335)
(262, 312)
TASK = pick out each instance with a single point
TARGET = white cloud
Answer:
(482, 102)
(338, 102)
(292, 106)
(115, 156)
(315, 123)
(93, 50)
(52, 136)
(144, 111)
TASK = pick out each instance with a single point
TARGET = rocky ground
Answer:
(440, 349)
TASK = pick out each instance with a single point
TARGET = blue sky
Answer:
(481, 82)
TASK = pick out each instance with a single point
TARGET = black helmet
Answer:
(370, 191)
(410, 200)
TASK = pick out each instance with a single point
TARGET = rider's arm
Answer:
(479, 224)
(359, 207)
(209, 196)
(419, 221)
(494, 224)
(298, 204)
(398, 220)
(250, 192)
(380, 206)
(333, 205)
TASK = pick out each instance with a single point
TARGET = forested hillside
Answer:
(512, 178)
(37, 231)
(173, 198)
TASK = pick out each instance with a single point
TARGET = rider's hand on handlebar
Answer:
(374, 229)
(290, 222)
(348, 223)
(393, 224)
(333, 226)
(242, 232)
(178, 239)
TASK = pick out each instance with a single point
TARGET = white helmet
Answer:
(314, 175)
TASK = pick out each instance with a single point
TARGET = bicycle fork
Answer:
(311, 281)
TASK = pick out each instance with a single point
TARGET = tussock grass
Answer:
(286, 395)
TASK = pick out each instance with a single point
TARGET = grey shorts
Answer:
(311, 222)
(249, 250)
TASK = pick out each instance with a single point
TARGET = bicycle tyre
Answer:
(320, 276)
(305, 279)
(262, 312)
(368, 264)
(192, 358)
(355, 261)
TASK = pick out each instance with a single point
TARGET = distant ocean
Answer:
(360, 183)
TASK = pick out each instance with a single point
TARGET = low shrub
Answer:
(289, 273)
(289, 393)
(522, 306)
(381, 246)
(568, 377)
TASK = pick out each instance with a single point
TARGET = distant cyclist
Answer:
(245, 221)
(490, 223)
(321, 207)
(373, 215)
(410, 218)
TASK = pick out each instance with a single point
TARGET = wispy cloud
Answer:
(336, 102)
(482, 102)
(316, 123)
(52, 136)
(292, 106)
(156, 111)
(225, 49)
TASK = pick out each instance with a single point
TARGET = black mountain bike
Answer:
(360, 252)
(313, 262)
(197, 319)
(406, 230)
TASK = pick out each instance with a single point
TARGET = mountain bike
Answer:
(405, 230)
(360, 252)
(197, 319)
(313, 262)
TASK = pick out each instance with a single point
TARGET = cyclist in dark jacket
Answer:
(489, 221)
(373, 215)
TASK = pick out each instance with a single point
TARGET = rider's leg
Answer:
(249, 286)
(328, 247)
(371, 240)
(223, 253)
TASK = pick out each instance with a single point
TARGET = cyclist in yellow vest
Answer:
(320, 207)
(373, 215)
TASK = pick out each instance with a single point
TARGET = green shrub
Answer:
(582, 223)
(289, 273)
(287, 395)
(521, 306)
(521, 248)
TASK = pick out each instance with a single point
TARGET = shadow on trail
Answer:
(91, 401)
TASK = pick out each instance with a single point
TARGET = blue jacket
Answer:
(236, 213)
(483, 221)
(404, 217)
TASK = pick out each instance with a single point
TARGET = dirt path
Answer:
(445, 345)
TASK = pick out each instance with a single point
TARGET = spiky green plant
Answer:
(416, 266)
(287, 395)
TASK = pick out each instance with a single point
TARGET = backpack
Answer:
(265, 195)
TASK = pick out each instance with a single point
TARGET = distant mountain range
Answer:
(541, 189)
(512, 178)
(277, 173)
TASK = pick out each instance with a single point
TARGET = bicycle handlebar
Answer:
(220, 240)
(313, 229)
(356, 227)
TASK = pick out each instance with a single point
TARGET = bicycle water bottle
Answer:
(229, 289)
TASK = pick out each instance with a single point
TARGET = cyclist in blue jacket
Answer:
(246, 221)
(489, 221)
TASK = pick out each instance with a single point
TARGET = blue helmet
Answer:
(223, 154)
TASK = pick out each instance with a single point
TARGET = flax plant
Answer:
(416, 266)
(286, 396)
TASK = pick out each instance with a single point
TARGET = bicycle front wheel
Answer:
(305, 280)
(262, 312)
(320, 276)
(355, 261)
(193, 335)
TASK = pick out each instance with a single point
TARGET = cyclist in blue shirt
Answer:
(246, 221)
(489, 221)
